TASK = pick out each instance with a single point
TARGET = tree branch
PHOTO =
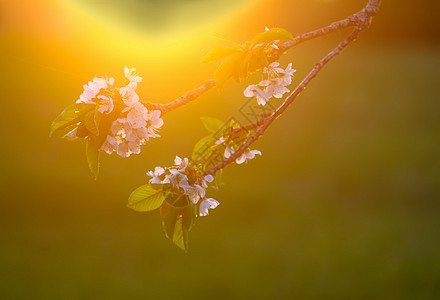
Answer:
(188, 97)
(366, 14)
(360, 19)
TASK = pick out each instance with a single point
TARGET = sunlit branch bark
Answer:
(188, 97)
(367, 13)
(360, 19)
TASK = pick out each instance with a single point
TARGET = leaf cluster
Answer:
(177, 212)
(83, 120)
(242, 59)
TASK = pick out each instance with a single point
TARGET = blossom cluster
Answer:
(274, 86)
(134, 124)
(187, 181)
(230, 149)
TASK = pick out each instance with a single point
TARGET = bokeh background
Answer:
(343, 204)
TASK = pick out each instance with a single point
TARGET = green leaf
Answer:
(92, 151)
(218, 53)
(226, 69)
(178, 217)
(219, 178)
(70, 116)
(146, 198)
(62, 132)
(180, 237)
(202, 147)
(82, 131)
(105, 122)
(90, 122)
(243, 70)
(212, 124)
(272, 35)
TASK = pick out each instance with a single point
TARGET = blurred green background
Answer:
(343, 204)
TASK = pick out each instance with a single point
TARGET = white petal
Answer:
(209, 178)
(241, 159)
(177, 161)
(265, 83)
(212, 203)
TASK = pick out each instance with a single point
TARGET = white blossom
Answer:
(129, 95)
(110, 145)
(254, 91)
(154, 122)
(272, 70)
(207, 178)
(277, 89)
(159, 172)
(105, 104)
(274, 86)
(195, 192)
(248, 154)
(92, 89)
(181, 163)
(137, 115)
(221, 140)
(193, 187)
(131, 75)
(206, 204)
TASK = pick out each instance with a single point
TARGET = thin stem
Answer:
(360, 19)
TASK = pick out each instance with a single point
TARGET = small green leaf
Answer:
(212, 124)
(70, 116)
(202, 147)
(146, 198)
(92, 151)
(218, 53)
(271, 35)
(180, 237)
(177, 213)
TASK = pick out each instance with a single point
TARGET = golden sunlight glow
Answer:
(185, 22)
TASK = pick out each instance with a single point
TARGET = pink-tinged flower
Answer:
(254, 91)
(105, 104)
(92, 89)
(195, 192)
(159, 176)
(154, 122)
(110, 145)
(123, 149)
(248, 154)
(272, 70)
(137, 115)
(228, 152)
(207, 204)
(288, 73)
(277, 89)
(207, 178)
(131, 75)
(129, 95)
(181, 163)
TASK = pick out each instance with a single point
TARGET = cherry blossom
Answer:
(273, 86)
(206, 204)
